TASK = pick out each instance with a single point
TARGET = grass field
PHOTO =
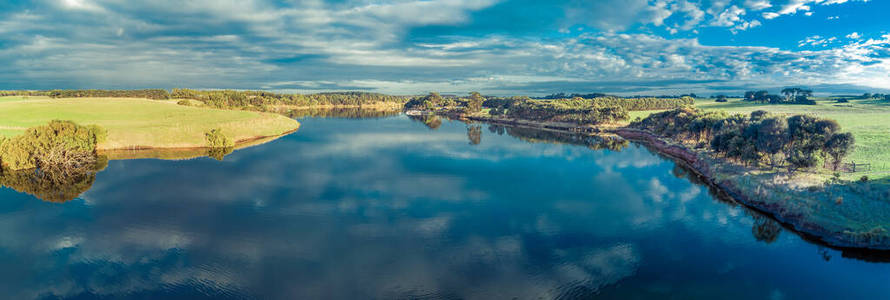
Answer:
(868, 120)
(140, 122)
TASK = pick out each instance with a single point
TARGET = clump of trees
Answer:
(215, 138)
(629, 104)
(59, 145)
(796, 142)
(569, 112)
(791, 96)
(474, 103)
(218, 144)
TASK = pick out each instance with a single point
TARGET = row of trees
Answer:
(228, 98)
(261, 99)
(435, 101)
(156, 94)
(629, 104)
(795, 142)
(550, 111)
(791, 96)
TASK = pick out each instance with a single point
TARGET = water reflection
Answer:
(432, 122)
(220, 153)
(345, 113)
(386, 208)
(53, 185)
(474, 134)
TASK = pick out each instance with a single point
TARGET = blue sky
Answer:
(500, 47)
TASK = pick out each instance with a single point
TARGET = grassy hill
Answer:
(140, 122)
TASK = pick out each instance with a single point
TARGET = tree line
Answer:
(795, 142)
(790, 96)
(262, 99)
(555, 111)
(227, 98)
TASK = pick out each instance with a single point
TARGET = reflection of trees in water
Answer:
(431, 121)
(765, 229)
(474, 134)
(53, 184)
(531, 135)
(220, 153)
(347, 113)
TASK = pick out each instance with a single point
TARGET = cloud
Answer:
(757, 4)
(791, 7)
(403, 47)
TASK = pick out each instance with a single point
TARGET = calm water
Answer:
(388, 208)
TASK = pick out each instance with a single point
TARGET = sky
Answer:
(498, 47)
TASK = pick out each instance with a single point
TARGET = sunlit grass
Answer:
(140, 122)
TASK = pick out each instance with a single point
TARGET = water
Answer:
(389, 208)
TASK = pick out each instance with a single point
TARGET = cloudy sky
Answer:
(404, 47)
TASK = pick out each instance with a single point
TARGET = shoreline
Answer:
(705, 168)
(181, 153)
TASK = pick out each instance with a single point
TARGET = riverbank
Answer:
(143, 123)
(839, 214)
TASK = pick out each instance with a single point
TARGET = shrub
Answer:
(57, 144)
(800, 141)
(184, 102)
(569, 112)
(216, 139)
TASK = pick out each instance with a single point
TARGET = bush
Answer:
(568, 112)
(184, 102)
(216, 139)
(57, 144)
(800, 141)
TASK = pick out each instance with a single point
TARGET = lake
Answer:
(392, 207)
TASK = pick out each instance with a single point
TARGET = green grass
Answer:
(140, 122)
(868, 120)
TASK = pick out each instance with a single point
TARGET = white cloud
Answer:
(794, 6)
(757, 4)
(854, 36)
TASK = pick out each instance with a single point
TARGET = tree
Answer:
(838, 146)
(789, 93)
(432, 101)
(721, 98)
(474, 104)
(474, 134)
(761, 96)
(771, 137)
